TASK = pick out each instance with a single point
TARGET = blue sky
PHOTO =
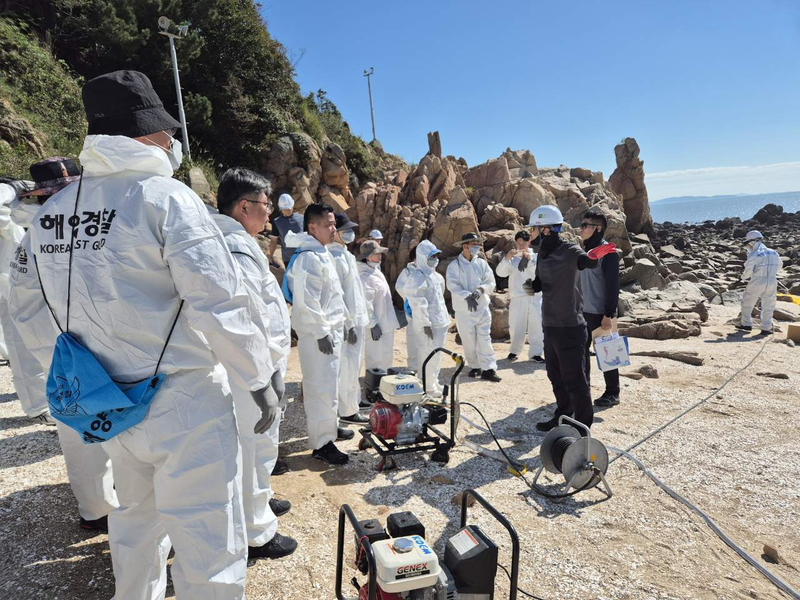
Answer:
(704, 86)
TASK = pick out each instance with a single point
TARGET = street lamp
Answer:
(164, 24)
(371, 110)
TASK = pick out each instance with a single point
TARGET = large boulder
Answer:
(525, 196)
(627, 181)
(455, 219)
(646, 273)
(499, 306)
(498, 216)
(671, 329)
(488, 174)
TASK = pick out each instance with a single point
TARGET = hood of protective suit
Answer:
(104, 155)
(425, 250)
(14, 210)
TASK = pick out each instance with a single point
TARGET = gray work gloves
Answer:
(528, 287)
(376, 332)
(472, 301)
(428, 331)
(267, 401)
(279, 387)
(523, 264)
(325, 344)
(352, 336)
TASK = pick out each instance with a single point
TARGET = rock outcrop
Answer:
(627, 181)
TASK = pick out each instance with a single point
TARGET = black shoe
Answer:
(281, 467)
(342, 435)
(100, 524)
(765, 332)
(537, 359)
(743, 327)
(512, 357)
(607, 400)
(331, 454)
(475, 373)
(354, 419)
(279, 507)
(278, 547)
(547, 425)
(490, 375)
(365, 405)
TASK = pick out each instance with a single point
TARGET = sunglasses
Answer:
(587, 225)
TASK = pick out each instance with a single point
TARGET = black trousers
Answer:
(612, 377)
(565, 357)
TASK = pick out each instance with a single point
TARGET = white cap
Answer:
(375, 235)
(545, 215)
(285, 202)
(753, 236)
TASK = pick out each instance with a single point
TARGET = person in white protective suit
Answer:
(10, 237)
(525, 312)
(146, 250)
(355, 321)
(243, 201)
(379, 349)
(318, 314)
(761, 274)
(88, 467)
(470, 281)
(412, 352)
(424, 290)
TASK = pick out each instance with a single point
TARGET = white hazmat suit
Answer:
(355, 318)
(259, 451)
(424, 289)
(525, 312)
(412, 351)
(761, 274)
(317, 311)
(475, 327)
(88, 466)
(10, 237)
(145, 241)
(380, 309)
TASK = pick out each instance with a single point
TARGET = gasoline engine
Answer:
(400, 565)
(404, 416)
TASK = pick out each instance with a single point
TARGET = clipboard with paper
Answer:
(611, 349)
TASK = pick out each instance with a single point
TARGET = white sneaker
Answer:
(44, 419)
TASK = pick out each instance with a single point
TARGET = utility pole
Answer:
(371, 109)
(164, 23)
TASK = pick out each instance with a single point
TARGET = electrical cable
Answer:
(721, 534)
(695, 405)
(519, 589)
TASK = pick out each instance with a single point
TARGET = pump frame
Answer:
(439, 442)
(347, 514)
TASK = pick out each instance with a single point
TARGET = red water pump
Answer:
(385, 420)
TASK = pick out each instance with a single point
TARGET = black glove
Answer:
(267, 401)
(472, 301)
(523, 264)
(278, 386)
(428, 331)
(325, 344)
(376, 332)
(352, 336)
(528, 287)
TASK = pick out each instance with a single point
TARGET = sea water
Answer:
(716, 208)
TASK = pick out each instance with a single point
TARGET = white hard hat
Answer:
(753, 235)
(375, 235)
(545, 215)
(285, 202)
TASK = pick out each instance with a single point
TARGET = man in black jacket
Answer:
(600, 296)
(558, 278)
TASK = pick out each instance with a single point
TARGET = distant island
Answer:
(696, 209)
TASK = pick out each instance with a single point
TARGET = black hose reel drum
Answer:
(581, 459)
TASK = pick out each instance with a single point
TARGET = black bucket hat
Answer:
(124, 103)
(343, 222)
(468, 238)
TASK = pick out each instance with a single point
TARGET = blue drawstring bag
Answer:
(407, 308)
(80, 393)
(287, 292)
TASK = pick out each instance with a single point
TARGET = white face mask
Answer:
(348, 235)
(433, 263)
(474, 251)
(175, 154)
(374, 265)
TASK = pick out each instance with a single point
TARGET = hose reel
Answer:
(581, 459)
